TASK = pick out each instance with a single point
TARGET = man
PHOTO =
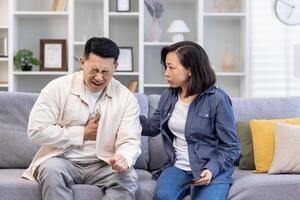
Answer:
(88, 126)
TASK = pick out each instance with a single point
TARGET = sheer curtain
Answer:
(272, 51)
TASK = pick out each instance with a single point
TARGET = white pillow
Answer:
(287, 146)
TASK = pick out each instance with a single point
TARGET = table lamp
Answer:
(178, 27)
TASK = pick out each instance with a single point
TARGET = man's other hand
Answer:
(119, 163)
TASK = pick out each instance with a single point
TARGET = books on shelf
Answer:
(59, 5)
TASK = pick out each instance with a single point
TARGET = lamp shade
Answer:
(178, 26)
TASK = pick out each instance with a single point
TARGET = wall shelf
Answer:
(21, 73)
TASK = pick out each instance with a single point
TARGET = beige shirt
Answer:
(58, 117)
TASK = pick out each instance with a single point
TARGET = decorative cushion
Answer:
(263, 137)
(245, 138)
(287, 143)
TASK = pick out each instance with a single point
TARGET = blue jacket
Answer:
(209, 131)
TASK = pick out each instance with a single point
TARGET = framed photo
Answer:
(123, 6)
(53, 55)
(125, 60)
(3, 47)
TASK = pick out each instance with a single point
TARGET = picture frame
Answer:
(123, 6)
(3, 47)
(53, 55)
(125, 59)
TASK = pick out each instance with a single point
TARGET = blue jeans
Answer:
(169, 187)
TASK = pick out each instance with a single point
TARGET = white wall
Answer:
(272, 46)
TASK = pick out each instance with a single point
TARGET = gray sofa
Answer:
(16, 152)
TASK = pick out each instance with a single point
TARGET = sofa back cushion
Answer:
(246, 109)
(16, 150)
(143, 161)
(157, 155)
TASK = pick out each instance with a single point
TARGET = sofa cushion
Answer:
(157, 154)
(246, 109)
(16, 151)
(143, 160)
(245, 138)
(286, 155)
(248, 186)
(263, 136)
(14, 188)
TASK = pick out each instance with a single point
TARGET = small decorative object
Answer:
(123, 6)
(288, 11)
(155, 8)
(3, 47)
(228, 60)
(53, 55)
(232, 5)
(132, 85)
(24, 60)
(125, 60)
(225, 5)
(59, 5)
(178, 27)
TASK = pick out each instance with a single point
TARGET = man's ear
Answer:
(116, 65)
(81, 61)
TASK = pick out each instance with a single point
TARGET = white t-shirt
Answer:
(177, 126)
(87, 151)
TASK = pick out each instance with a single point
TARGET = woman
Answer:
(196, 121)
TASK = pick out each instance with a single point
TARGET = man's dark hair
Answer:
(192, 56)
(102, 47)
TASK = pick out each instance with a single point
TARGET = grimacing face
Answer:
(175, 73)
(97, 71)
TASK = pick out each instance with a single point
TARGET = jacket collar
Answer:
(78, 87)
(210, 90)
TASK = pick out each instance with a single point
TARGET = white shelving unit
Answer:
(215, 31)
(31, 21)
(228, 31)
(4, 29)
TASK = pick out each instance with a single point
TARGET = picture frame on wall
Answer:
(53, 55)
(125, 59)
(123, 6)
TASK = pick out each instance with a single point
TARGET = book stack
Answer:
(59, 5)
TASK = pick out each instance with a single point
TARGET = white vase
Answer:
(228, 61)
(155, 30)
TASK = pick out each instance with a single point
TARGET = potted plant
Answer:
(24, 60)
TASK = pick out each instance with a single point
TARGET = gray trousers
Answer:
(57, 175)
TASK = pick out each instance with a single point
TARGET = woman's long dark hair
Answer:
(192, 56)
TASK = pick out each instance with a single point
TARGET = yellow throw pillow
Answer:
(263, 136)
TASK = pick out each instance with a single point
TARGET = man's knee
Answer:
(53, 170)
(129, 180)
